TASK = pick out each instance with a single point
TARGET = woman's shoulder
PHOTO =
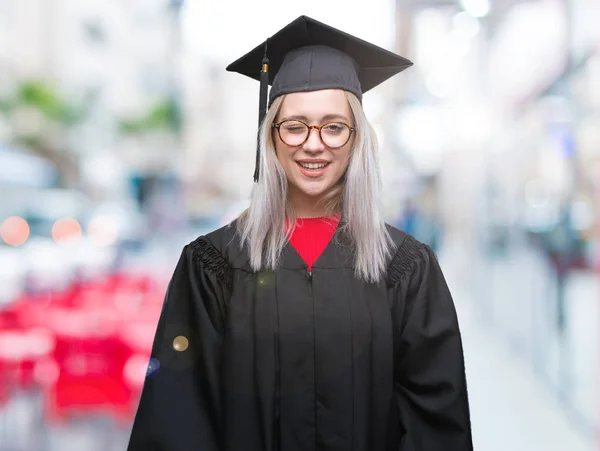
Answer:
(408, 252)
(221, 247)
(402, 239)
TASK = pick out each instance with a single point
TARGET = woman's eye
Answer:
(334, 128)
(294, 129)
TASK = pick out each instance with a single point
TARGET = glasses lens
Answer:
(335, 134)
(293, 133)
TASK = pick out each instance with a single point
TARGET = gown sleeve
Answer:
(430, 382)
(179, 407)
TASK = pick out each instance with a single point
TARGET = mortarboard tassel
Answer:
(262, 106)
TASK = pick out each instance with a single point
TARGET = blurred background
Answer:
(122, 138)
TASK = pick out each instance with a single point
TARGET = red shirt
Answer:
(312, 235)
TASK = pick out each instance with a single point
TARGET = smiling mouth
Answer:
(313, 166)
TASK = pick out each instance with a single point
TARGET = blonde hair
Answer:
(357, 196)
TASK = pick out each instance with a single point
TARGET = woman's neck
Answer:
(307, 206)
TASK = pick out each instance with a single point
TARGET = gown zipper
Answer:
(312, 298)
(277, 425)
(278, 372)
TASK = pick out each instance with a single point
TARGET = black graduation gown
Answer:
(292, 361)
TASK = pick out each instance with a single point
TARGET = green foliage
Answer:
(163, 116)
(46, 100)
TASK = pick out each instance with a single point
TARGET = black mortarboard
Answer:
(308, 55)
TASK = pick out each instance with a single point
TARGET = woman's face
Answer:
(313, 168)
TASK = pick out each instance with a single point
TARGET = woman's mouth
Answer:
(313, 169)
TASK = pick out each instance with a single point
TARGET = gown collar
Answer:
(337, 253)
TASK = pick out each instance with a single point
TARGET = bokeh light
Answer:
(180, 343)
(14, 231)
(66, 229)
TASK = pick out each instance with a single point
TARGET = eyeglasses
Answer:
(295, 133)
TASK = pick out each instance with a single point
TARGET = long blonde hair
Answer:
(357, 196)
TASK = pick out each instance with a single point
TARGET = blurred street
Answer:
(123, 138)
(511, 408)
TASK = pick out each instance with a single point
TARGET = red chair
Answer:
(103, 331)
(91, 361)
(20, 350)
(4, 385)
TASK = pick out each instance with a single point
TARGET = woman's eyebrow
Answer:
(327, 117)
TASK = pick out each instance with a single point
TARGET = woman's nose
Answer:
(314, 142)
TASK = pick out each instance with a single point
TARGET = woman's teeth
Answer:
(313, 165)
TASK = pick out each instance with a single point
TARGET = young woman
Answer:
(308, 323)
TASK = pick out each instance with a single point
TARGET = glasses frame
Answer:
(310, 129)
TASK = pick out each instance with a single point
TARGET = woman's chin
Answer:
(314, 189)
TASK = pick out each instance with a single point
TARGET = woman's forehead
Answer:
(316, 104)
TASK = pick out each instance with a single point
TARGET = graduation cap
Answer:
(307, 55)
